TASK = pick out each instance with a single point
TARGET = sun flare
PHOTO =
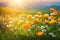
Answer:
(15, 3)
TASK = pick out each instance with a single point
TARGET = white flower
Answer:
(51, 14)
(8, 25)
(42, 27)
(15, 27)
(44, 30)
(35, 15)
(29, 30)
(52, 34)
(46, 26)
(10, 18)
(10, 22)
(26, 21)
(20, 20)
(58, 22)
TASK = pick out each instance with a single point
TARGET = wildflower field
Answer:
(22, 25)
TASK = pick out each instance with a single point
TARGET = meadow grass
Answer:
(27, 27)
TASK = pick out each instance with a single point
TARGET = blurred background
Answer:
(11, 10)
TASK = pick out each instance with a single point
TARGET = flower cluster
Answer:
(39, 21)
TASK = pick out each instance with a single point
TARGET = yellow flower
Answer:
(31, 23)
(25, 25)
(55, 13)
(29, 16)
(37, 20)
(40, 16)
(52, 21)
(58, 19)
(52, 9)
(39, 34)
(51, 17)
(46, 15)
(39, 13)
(46, 21)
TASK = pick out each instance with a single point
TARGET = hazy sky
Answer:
(35, 0)
(45, 0)
(22, 3)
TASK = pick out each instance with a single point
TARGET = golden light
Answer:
(15, 3)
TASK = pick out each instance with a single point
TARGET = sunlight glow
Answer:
(15, 3)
